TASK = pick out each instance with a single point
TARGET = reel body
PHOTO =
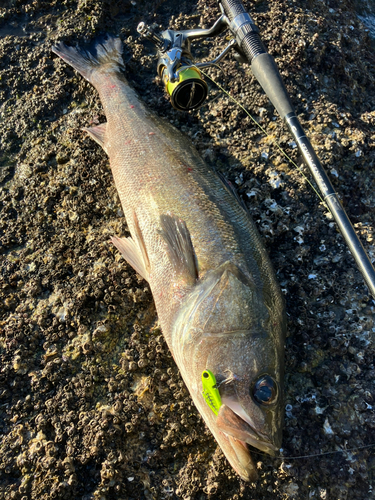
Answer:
(181, 76)
(182, 80)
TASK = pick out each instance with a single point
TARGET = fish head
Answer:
(234, 328)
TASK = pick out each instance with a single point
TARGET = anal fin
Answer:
(97, 133)
(141, 242)
(131, 253)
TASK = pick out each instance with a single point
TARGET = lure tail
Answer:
(104, 51)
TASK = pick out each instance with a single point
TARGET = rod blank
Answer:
(266, 72)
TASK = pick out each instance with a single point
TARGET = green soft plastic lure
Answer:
(210, 391)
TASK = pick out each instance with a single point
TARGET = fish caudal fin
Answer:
(106, 50)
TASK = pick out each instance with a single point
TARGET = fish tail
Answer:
(105, 50)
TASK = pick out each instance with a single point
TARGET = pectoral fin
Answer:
(97, 133)
(179, 247)
(131, 253)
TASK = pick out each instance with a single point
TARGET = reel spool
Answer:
(188, 91)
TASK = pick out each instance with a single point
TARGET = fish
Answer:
(218, 302)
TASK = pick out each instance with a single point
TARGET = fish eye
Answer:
(265, 390)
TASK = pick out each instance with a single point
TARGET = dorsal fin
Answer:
(233, 190)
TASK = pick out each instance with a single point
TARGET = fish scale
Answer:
(218, 302)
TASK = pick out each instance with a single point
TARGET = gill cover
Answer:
(224, 302)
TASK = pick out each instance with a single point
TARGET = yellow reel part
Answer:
(189, 91)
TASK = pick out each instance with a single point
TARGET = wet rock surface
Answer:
(91, 403)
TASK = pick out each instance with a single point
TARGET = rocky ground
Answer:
(91, 403)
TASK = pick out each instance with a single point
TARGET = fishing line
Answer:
(348, 450)
(265, 133)
(330, 452)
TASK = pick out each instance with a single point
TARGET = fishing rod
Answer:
(187, 90)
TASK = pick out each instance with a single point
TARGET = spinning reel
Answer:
(181, 76)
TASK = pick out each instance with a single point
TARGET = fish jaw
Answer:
(238, 455)
(232, 425)
(233, 434)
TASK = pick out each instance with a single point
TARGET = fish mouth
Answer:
(240, 459)
(235, 426)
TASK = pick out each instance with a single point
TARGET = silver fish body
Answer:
(218, 302)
